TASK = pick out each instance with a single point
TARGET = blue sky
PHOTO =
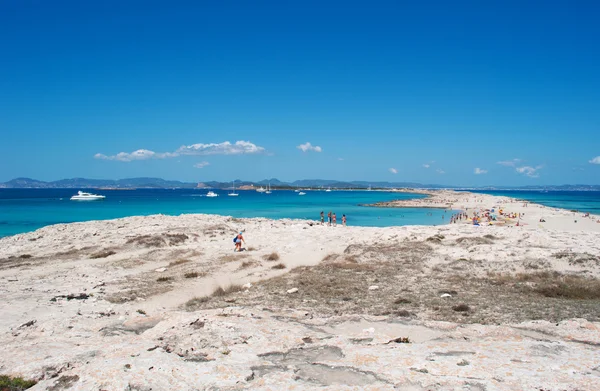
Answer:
(430, 92)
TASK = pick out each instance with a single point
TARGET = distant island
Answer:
(159, 183)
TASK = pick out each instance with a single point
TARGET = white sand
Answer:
(96, 344)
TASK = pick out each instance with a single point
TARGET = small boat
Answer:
(296, 191)
(302, 193)
(261, 189)
(212, 194)
(233, 193)
(268, 189)
(82, 196)
(328, 190)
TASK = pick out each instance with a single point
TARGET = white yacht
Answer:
(268, 189)
(233, 193)
(82, 196)
(261, 190)
(212, 194)
(328, 190)
(302, 193)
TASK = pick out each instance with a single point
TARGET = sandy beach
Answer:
(164, 303)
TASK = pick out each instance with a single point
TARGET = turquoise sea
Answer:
(582, 201)
(24, 210)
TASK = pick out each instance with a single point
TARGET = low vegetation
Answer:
(8, 383)
(278, 266)
(179, 262)
(247, 264)
(194, 303)
(158, 240)
(164, 279)
(220, 291)
(461, 308)
(272, 257)
(102, 254)
(192, 275)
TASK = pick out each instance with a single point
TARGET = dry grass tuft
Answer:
(251, 248)
(435, 238)
(220, 291)
(491, 237)
(247, 264)
(158, 240)
(461, 308)
(26, 256)
(191, 275)
(195, 302)
(164, 279)
(102, 254)
(279, 266)
(570, 287)
(272, 257)
(472, 241)
(232, 257)
(330, 257)
(179, 262)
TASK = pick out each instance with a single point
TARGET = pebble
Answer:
(293, 290)
(373, 287)
(160, 270)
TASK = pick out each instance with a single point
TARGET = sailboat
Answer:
(233, 193)
(328, 190)
(268, 189)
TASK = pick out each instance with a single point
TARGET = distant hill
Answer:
(159, 183)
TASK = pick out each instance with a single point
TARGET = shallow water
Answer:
(583, 201)
(25, 210)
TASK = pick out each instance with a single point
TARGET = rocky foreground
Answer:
(163, 303)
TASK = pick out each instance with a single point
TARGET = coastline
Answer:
(528, 214)
(135, 302)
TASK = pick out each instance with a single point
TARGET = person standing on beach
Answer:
(329, 218)
(344, 220)
(322, 218)
(334, 220)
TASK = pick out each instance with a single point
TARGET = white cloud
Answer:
(595, 160)
(479, 171)
(509, 163)
(426, 165)
(140, 154)
(224, 148)
(201, 164)
(309, 147)
(439, 171)
(529, 171)
(393, 171)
